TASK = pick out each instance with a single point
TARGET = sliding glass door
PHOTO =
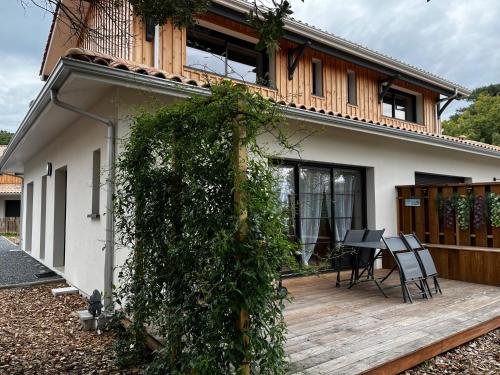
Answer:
(323, 203)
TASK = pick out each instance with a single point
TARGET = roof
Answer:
(49, 37)
(121, 64)
(10, 189)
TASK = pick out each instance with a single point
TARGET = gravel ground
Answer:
(18, 267)
(478, 357)
(6, 245)
(40, 334)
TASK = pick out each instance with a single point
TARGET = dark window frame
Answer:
(352, 89)
(393, 94)
(296, 165)
(230, 43)
(317, 77)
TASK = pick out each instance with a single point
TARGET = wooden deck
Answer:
(340, 331)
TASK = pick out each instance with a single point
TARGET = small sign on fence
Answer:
(412, 202)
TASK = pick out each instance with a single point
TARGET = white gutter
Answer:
(161, 86)
(110, 145)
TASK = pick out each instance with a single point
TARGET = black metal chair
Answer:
(409, 268)
(425, 259)
(352, 236)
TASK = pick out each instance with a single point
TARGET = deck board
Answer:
(339, 331)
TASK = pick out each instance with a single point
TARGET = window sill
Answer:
(93, 216)
(209, 73)
(318, 96)
(352, 105)
(408, 122)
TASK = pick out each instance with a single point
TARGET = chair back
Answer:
(395, 244)
(409, 265)
(423, 254)
(412, 241)
(354, 236)
(405, 258)
(373, 235)
(427, 262)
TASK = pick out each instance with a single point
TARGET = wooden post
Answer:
(240, 168)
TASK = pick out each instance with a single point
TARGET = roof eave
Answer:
(123, 78)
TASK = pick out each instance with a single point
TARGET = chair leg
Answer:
(408, 292)
(389, 274)
(436, 285)
(427, 287)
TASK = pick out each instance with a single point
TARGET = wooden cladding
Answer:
(8, 179)
(109, 29)
(170, 56)
(471, 255)
(426, 221)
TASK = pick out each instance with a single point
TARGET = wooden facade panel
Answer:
(172, 59)
(7, 179)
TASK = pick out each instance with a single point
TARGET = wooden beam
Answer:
(294, 56)
(386, 85)
(413, 359)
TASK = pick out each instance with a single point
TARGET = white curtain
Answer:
(311, 191)
(344, 203)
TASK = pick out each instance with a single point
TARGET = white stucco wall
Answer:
(389, 162)
(85, 237)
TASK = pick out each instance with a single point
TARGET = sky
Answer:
(456, 39)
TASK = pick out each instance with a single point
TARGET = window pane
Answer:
(242, 64)
(286, 185)
(387, 106)
(400, 108)
(205, 58)
(348, 202)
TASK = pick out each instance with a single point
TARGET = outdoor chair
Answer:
(425, 259)
(409, 267)
(365, 256)
(352, 236)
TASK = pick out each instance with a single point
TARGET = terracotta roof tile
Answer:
(10, 188)
(117, 63)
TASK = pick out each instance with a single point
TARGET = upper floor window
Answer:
(400, 105)
(317, 77)
(351, 88)
(225, 55)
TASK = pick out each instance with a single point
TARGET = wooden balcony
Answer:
(340, 331)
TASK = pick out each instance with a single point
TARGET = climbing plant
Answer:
(463, 208)
(197, 204)
(493, 200)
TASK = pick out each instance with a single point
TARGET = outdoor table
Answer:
(360, 246)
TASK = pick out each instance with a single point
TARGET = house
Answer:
(376, 121)
(10, 200)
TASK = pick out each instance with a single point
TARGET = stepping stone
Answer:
(67, 290)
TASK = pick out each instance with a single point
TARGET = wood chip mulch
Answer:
(478, 357)
(40, 334)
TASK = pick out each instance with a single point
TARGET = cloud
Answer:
(18, 86)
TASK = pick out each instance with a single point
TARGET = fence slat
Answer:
(481, 233)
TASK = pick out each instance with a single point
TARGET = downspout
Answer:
(110, 144)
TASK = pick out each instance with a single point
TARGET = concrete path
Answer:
(18, 267)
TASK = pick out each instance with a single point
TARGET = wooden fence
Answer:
(471, 254)
(9, 225)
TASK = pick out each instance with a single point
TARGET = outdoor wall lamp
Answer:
(48, 169)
